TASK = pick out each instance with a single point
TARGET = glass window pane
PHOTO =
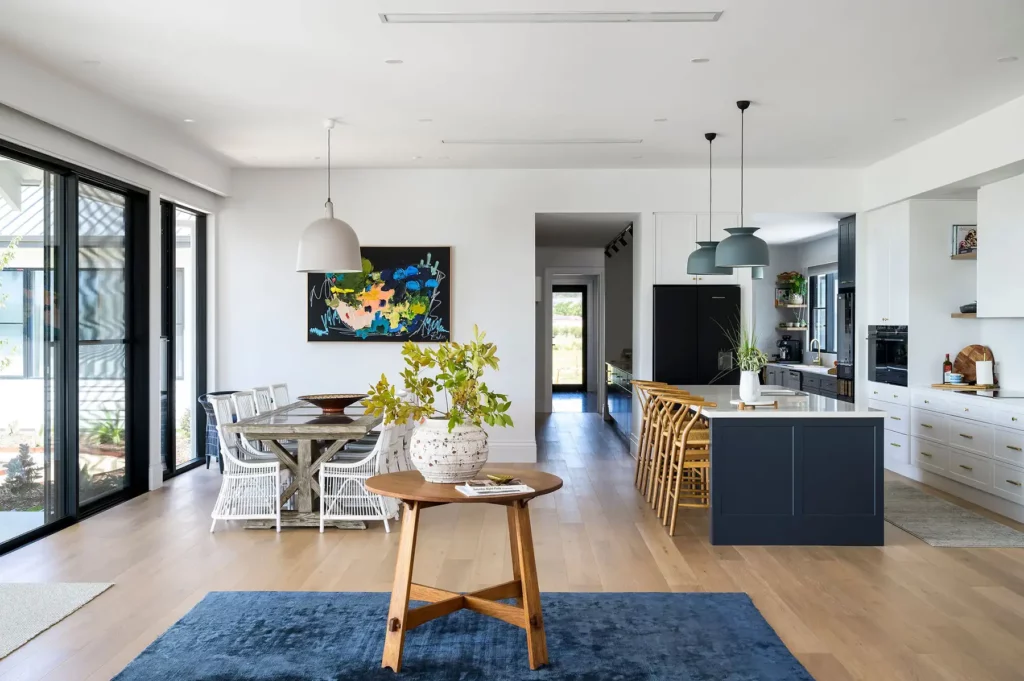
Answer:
(101, 353)
(567, 338)
(30, 469)
(184, 336)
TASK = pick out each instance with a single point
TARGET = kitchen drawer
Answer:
(929, 425)
(811, 381)
(970, 469)
(1008, 445)
(829, 384)
(1008, 482)
(897, 448)
(928, 399)
(889, 393)
(970, 435)
(929, 456)
(897, 417)
(969, 408)
(1008, 419)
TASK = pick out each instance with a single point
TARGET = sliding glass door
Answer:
(73, 344)
(183, 337)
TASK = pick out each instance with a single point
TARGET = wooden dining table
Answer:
(318, 437)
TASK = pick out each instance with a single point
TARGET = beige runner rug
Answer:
(29, 609)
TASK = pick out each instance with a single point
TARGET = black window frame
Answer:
(65, 384)
(830, 343)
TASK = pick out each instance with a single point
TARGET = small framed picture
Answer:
(965, 239)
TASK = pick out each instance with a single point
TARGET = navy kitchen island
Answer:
(807, 473)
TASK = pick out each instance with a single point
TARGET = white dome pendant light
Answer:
(741, 248)
(702, 261)
(329, 244)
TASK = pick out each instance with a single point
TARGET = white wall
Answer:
(488, 217)
(31, 133)
(618, 303)
(783, 258)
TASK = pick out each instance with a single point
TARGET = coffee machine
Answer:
(790, 350)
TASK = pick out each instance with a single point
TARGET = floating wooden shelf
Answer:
(964, 315)
(792, 307)
(965, 256)
(792, 328)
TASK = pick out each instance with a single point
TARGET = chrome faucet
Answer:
(817, 361)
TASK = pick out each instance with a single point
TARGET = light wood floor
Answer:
(905, 611)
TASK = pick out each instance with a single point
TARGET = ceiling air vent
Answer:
(547, 17)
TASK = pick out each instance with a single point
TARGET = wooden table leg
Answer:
(536, 641)
(394, 639)
(513, 540)
(304, 494)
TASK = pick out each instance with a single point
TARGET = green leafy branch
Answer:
(459, 378)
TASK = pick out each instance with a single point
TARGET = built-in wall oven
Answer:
(887, 354)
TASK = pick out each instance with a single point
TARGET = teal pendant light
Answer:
(741, 248)
(702, 261)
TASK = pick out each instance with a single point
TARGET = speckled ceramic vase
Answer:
(446, 457)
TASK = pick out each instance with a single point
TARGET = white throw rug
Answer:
(27, 610)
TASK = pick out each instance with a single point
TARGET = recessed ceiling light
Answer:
(899, 120)
(425, 120)
(393, 61)
(606, 140)
(190, 120)
(1007, 59)
(660, 120)
(699, 60)
(545, 17)
(416, 158)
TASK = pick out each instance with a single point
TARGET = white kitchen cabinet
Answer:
(1000, 244)
(676, 236)
(887, 266)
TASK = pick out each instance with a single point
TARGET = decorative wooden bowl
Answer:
(964, 362)
(333, 404)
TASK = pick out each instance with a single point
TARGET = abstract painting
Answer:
(402, 294)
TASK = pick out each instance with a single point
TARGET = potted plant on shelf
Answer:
(448, 445)
(799, 283)
(751, 359)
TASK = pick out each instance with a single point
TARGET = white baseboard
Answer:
(958, 489)
(512, 452)
(634, 445)
(156, 477)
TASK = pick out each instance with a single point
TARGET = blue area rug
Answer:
(288, 636)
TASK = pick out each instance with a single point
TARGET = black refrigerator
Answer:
(691, 344)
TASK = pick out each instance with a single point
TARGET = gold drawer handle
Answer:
(927, 402)
(875, 392)
(1016, 449)
(926, 425)
(1013, 482)
(968, 437)
(895, 418)
(1013, 418)
(926, 454)
(966, 409)
(967, 468)
(894, 444)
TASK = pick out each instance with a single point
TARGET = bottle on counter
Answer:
(947, 369)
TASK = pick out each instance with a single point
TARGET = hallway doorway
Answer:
(568, 338)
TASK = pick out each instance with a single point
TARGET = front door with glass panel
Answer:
(569, 338)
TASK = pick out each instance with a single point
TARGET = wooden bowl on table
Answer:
(335, 403)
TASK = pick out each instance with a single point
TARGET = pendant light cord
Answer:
(328, 165)
(742, 138)
(710, 180)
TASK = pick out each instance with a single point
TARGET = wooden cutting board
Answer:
(964, 362)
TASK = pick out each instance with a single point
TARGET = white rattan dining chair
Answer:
(343, 494)
(245, 407)
(264, 399)
(279, 391)
(248, 490)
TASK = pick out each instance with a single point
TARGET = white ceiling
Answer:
(827, 77)
(580, 230)
(789, 228)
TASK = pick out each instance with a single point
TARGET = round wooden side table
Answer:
(417, 494)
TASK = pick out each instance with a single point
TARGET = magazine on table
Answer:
(490, 488)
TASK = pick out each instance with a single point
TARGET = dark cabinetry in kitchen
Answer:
(848, 253)
(807, 381)
(691, 342)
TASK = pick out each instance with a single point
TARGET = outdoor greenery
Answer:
(109, 431)
(21, 490)
(460, 368)
(568, 331)
(569, 308)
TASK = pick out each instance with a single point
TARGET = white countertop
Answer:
(809, 368)
(792, 404)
